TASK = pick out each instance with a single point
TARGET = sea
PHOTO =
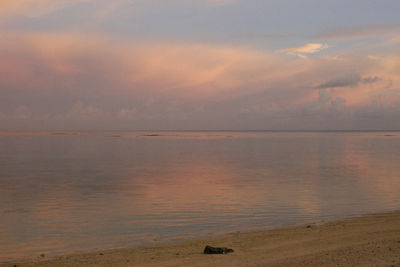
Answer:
(71, 191)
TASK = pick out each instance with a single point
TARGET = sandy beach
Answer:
(372, 240)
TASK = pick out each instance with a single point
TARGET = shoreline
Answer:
(365, 240)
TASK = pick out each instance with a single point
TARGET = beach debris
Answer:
(213, 250)
(42, 255)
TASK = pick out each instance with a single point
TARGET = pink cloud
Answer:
(69, 77)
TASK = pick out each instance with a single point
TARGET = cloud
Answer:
(219, 2)
(373, 79)
(357, 31)
(95, 63)
(274, 36)
(81, 111)
(127, 113)
(349, 80)
(23, 112)
(394, 39)
(78, 81)
(33, 8)
(310, 48)
(342, 81)
(38, 8)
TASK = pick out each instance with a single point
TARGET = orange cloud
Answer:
(310, 48)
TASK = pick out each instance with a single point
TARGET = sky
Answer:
(199, 65)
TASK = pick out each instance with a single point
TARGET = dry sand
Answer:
(365, 241)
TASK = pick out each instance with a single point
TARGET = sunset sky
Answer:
(199, 64)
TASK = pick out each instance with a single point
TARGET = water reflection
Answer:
(81, 191)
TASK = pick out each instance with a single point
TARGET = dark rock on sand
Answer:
(212, 250)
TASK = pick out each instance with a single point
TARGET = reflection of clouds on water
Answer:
(15, 211)
(377, 161)
(59, 192)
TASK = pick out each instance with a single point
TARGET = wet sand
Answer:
(372, 240)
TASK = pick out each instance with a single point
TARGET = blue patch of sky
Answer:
(292, 22)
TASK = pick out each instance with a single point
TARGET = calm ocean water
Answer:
(63, 192)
